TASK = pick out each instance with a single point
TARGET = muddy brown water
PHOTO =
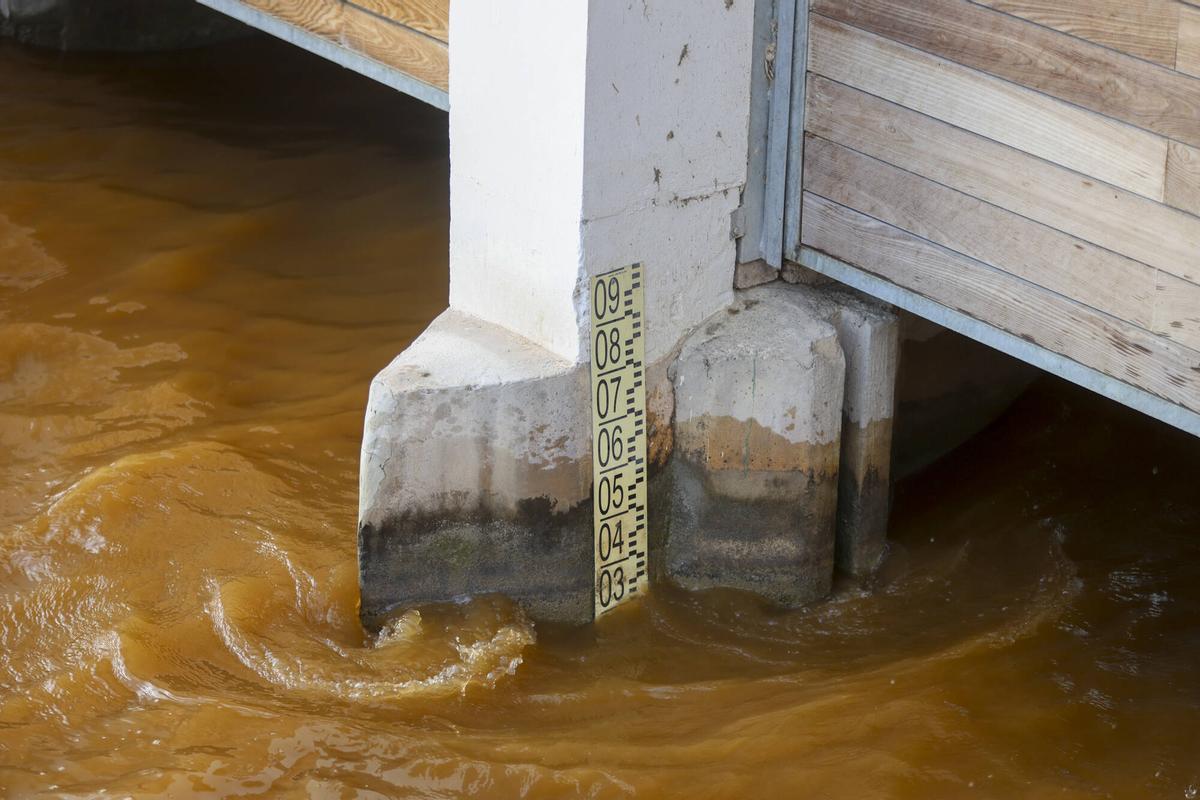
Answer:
(205, 256)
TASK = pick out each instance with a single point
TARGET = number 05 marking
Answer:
(618, 437)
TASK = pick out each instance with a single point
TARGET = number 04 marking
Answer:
(618, 437)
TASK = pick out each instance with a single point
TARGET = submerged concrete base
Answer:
(752, 484)
(476, 475)
(869, 334)
(769, 449)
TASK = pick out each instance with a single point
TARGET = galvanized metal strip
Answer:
(1060, 365)
(794, 176)
(762, 66)
(778, 134)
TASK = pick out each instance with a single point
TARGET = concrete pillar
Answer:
(869, 333)
(784, 409)
(586, 136)
(583, 136)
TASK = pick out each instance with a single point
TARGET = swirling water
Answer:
(205, 256)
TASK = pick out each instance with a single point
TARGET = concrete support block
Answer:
(749, 497)
(869, 335)
(476, 475)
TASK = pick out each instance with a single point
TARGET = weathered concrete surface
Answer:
(749, 496)
(869, 334)
(114, 25)
(476, 475)
(632, 147)
(749, 274)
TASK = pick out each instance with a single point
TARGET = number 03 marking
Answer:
(618, 437)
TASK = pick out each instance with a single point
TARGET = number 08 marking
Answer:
(618, 437)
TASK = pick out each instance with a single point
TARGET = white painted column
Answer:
(588, 135)
(584, 136)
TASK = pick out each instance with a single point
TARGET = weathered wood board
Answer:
(1111, 346)
(1022, 118)
(1121, 221)
(1031, 166)
(430, 17)
(1143, 28)
(1187, 53)
(1084, 74)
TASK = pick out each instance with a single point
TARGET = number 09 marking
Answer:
(618, 437)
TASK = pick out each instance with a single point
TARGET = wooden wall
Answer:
(1034, 164)
(411, 36)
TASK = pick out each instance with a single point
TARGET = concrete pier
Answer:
(631, 148)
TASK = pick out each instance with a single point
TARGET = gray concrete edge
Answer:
(356, 62)
(1096, 381)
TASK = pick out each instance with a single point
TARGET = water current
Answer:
(206, 255)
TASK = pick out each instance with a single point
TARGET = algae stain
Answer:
(750, 422)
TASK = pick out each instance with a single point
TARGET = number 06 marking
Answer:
(618, 437)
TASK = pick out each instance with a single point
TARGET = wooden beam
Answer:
(1121, 221)
(1040, 317)
(1151, 97)
(1183, 178)
(823, 264)
(1143, 28)
(1095, 145)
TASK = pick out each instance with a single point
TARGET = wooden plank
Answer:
(1143, 28)
(1061, 263)
(430, 17)
(414, 53)
(1127, 394)
(1151, 97)
(1110, 346)
(1022, 118)
(1084, 272)
(321, 17)
(1121, 221)
(1183, 178)
(1187, 57)
(1177, 310)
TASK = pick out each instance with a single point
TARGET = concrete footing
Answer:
(752, 484)
(770, 431)
(476, 475)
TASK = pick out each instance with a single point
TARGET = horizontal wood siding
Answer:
(1034, 164)
(1143, 28)
(1116, 348)
(1187, 55)
(430, 17)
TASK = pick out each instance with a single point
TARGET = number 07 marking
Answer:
(618, 437)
